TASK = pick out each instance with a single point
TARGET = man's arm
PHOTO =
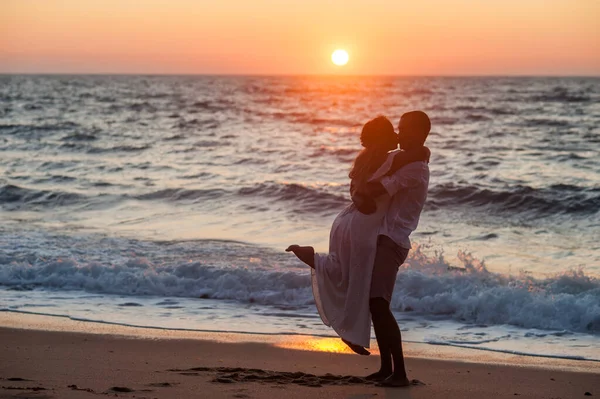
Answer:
(401, 159)
(364, 200)
(390, 185)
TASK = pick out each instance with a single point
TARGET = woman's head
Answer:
(378, 138)
(378, 134)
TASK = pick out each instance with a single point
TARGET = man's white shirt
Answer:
(408, 189)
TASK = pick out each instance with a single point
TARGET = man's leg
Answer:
(393, 338)
(378, 317)
(388, 258)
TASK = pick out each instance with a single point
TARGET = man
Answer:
(408, 188)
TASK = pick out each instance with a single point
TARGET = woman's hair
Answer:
(376, 136)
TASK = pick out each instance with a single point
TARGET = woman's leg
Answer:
(360, 350)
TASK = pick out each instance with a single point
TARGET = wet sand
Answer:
(59, 364)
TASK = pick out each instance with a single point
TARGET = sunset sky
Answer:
(391, 37)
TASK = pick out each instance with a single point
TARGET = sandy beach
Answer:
(139, 363)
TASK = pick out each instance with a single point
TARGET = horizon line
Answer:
(290, 75)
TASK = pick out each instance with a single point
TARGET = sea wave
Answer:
(299, 197)
(39, 130)
(311, 198)
(119, 148)
(182, 194)
(561, 94)
(552, 200)
(567, 301)
(13, 197)
(555, 199)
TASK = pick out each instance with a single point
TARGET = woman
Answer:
(341, 279)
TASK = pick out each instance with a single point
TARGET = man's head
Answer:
(413, 129)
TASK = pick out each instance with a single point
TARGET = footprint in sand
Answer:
(163, 384)
(231, 375)
(121, 389)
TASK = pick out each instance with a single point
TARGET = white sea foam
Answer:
(568, 301)
(565, 301)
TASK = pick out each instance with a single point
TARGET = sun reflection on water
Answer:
(317, 344)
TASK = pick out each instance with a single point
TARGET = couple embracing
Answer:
(369, 240)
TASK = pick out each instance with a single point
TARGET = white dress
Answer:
(341, 279)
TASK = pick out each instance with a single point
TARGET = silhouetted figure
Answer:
(370, 239)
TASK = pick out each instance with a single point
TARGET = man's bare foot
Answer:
(379, 376)
(356, 348)
(394, 381)
(305, 254)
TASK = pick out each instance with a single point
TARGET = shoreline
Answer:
(61, 364)
(311, 343)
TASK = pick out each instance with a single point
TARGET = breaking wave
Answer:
(426, 285)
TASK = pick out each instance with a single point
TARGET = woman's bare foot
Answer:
(356, 348)
(379, 376)
(395, 381)
(305, 254)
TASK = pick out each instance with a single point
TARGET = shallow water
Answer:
(189, 314)
(139, 187)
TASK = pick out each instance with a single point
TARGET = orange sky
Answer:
(392, 37)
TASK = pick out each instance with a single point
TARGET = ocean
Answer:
(167, 202)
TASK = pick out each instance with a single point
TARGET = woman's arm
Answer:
(364, 204)
(403, 158)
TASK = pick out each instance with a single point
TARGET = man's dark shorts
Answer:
(388, 259)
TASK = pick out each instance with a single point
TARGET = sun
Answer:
(340, 57)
